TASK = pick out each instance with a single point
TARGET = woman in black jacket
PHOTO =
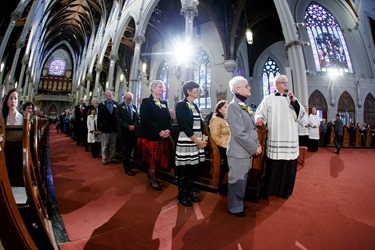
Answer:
(154, 129)
(190, 144)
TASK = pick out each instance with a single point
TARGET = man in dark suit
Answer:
(107, 125)
(80, 113)
(339, 132)
(127, 123)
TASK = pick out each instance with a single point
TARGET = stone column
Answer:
(133, 77)
(112, 65)
(293, 45)
(98, 70)
(88, 83)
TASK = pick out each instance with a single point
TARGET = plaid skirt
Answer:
(153, 154)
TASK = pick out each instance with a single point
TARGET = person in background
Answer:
(303, 130)
(127, 123)
(190, 143)
(323, 129)
(93, 135)
(80, 113)
(107, 125)
(314, 123)
(243, 144)
(281, 112)
(28, 108)
(339, 132)
(220, 132)
(153, 133)
(10, 113)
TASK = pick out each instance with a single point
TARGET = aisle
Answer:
(103, 208)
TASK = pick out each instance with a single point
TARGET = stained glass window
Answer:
(57, 67)
(270, 71)
(202, 75)
(326, 39)
(164, 76)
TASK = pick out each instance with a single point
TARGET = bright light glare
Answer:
(184, 52)
(334, 72)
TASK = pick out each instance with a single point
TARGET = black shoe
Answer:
(184, 201)
(244, 206)
(114, 161)
(337, 152)
(193, 198)
(129, 172)
(155, 186)
(239, 214)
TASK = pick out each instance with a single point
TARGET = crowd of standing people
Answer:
(115, 132)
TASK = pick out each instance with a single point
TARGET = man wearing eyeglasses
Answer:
(281, 112)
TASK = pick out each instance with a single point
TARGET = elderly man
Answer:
(127, 122)
(243, 144)
(107, 125)
(281, 112)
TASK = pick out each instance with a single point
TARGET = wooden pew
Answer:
(215, 160)
(346, 137)
(357, 138)
(19, 161)
(255, 180)
(13, 231)
(369, 138)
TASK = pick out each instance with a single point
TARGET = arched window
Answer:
(326, 39)
(57, 67)
(202, 75)
(270, 71)
(164, 76)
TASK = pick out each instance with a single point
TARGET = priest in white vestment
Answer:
(314, 123)
(281, 112)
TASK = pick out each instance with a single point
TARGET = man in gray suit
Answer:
(243, 144)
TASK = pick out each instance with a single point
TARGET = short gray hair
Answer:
(280, 78)
(154, 83)
(235, 82)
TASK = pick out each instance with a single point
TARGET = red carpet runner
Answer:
(332, 207)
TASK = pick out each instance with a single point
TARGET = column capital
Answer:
(15, 15)
(89, 77)
(20, 44)
(190, 8)
(113, 57)
(140, 39)
(98, 67)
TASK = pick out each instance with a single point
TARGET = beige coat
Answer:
(219, 131)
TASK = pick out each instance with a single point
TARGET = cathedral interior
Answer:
(55, 52)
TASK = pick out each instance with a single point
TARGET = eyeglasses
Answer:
(245, 86)
(284, 82)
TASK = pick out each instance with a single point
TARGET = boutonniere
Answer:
(191, 106)
(246, 108)
(114, 105)
(123, 107)
(157, 103)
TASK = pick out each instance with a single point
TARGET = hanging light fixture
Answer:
(248, 33)
(249, 36)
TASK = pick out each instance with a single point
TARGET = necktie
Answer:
(130, 111)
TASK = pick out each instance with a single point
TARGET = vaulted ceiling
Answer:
(75, 21)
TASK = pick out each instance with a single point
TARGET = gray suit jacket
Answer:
(243, 141)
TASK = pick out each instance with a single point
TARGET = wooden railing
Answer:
(23, 189)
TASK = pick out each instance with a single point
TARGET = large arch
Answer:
(369, 110)
(318, 101)
(346, 108)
